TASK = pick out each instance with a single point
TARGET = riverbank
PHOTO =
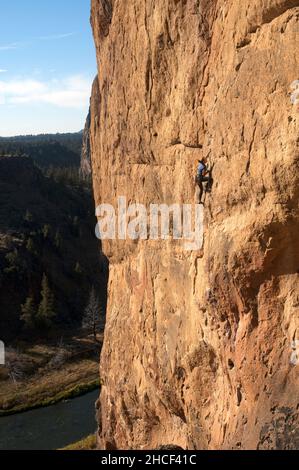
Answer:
(88, 443)
(67, 394)
(52, 427)
(46, 385)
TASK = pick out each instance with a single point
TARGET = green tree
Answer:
(28, 313)
(78, 269)
(15, 263)
(46, 231)
(46, 311)
(28, 217)
(30, 245)
(58, 240)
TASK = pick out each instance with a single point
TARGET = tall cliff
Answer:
(198, 343)
(85, 164)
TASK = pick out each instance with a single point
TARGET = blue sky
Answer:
(47, 64)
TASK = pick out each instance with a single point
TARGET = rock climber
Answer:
(203, 176)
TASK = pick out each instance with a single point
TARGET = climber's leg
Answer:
(200, 185)
(201, 180)
(209, 184)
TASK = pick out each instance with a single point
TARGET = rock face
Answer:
(85, 166)
(198, 344)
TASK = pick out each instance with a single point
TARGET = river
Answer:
(50, 428)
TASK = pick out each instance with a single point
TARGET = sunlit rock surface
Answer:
(198, 345)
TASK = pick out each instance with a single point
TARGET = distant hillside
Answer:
(47, 150)
(46, 229)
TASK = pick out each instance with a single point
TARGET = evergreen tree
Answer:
(15, 262)
(46, 310)
(46, 231)
(28, 217)
(78, 269)
(30, 245)
(28, 313)
(58, 240)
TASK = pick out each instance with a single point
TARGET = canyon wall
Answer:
(198, 344)
(85, 163)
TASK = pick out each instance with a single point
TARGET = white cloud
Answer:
(12, 88)
(56, 36)
(3, 70)
(20, 44)
(9, 47)
(71, 92)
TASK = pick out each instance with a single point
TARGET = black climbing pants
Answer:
(200, 180)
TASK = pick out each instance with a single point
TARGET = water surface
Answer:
(50, 428)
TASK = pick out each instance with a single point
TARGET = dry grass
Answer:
(46, 386)
(89, 443)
